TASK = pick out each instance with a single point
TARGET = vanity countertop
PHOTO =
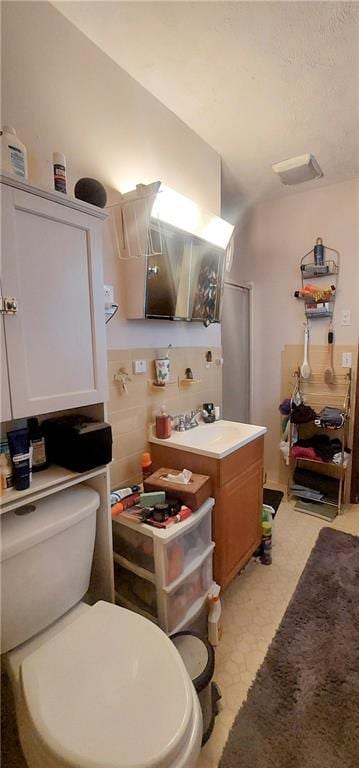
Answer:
(215, 440)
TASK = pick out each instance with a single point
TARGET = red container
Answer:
(163, 426)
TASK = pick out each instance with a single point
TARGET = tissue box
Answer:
(193, 494)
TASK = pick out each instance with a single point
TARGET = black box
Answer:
(78, 442)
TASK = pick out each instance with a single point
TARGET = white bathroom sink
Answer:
(216, 440)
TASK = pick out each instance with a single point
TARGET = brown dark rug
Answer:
(302, 710)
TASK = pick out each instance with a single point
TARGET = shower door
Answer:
(236, 353)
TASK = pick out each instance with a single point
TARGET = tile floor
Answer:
(253, 606)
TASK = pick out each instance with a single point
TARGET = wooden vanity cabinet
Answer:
(237, 486)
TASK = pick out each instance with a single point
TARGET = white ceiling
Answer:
(259, 81)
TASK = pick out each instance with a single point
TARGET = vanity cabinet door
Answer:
(240, 502)
(52, 264)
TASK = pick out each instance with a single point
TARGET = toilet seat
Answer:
(109, 690)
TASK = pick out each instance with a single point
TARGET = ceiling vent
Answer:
(298, 169)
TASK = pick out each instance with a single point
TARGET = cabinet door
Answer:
(240, 506)
(52, 264)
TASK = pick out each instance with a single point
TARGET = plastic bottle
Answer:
(147, 466)
(13, 153)
(319, 252)
(7, 480)
(214, 615)
(59, 162)
(163, 424)
(37, 442)
(266, 552)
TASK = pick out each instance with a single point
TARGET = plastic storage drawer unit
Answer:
(164, 574)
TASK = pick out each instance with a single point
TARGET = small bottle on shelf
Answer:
(37, 442)
(147, 466)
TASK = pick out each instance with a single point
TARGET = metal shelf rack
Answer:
(317, 394)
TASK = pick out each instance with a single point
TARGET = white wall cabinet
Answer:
(52, 265)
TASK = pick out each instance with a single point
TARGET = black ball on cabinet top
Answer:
(91, 191)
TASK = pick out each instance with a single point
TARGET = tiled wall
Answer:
(130, 414)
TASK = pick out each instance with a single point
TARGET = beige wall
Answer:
(130, 414)
(268, 250)
(63, 94)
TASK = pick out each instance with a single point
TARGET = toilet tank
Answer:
(46, 556)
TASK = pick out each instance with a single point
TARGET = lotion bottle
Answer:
(13, 153)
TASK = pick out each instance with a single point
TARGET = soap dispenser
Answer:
(163, 424)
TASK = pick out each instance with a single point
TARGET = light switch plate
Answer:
(139, 366)
(345, 317)
(347, 360)
(108, 296)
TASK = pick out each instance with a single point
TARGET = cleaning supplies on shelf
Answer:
(214, 615)
(13, 153)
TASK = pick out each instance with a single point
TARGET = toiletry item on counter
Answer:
(216, 412)
(37, 442)
(163, 424)
(214, 615)
(6, 471)
(59, 164)
(208, 413)
(147, 466)
(13, 153)
(183, 514)
(152, 498)
(77, 442)
(161, 512)
(19, 445)
(129, 501)
(122, 493)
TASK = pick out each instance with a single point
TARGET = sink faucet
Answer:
(185, 421)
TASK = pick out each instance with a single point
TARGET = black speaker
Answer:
(91, 191)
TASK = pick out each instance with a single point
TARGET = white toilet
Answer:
(94, 687)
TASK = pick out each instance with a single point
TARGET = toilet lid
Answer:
(110, 690)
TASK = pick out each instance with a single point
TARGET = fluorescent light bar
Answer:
(181, 212)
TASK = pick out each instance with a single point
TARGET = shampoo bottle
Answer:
(13, 153)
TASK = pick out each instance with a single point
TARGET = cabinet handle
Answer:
(8, 305)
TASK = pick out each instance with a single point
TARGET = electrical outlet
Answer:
(347, 360)
(108, 296)
(345, 317)
(139, 366)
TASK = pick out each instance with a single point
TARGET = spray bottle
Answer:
(214, 615)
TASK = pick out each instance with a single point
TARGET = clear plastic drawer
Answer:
(186, 549)
(133, 545)
(183, 600)
(135, 590)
